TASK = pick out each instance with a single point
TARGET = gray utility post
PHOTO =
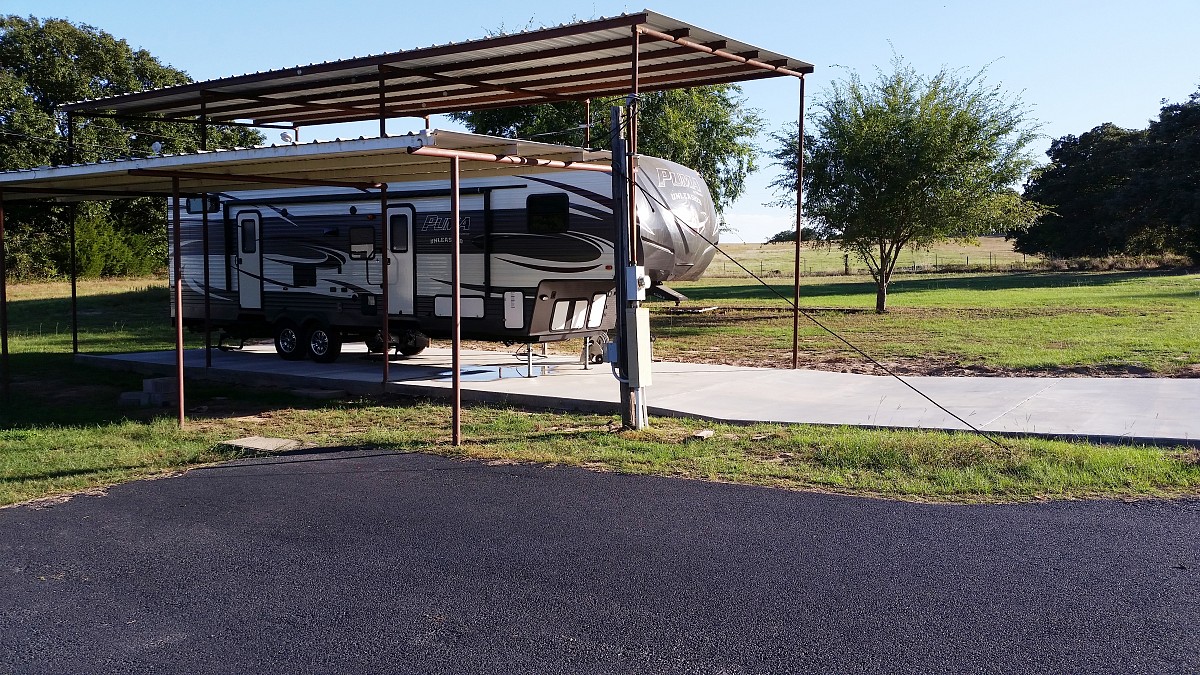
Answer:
(633, 365)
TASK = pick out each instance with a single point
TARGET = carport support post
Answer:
(204, 243)
(178, 276)
(385, 260)
(74, 283)
(207, 285)
(3, 305)
(74, 215)
(455, 302)
(799, 229)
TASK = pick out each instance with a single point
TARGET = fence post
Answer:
(846, 262)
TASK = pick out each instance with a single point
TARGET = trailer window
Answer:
(362, 243)
(549, 213)
(398, 234)
(248, 234)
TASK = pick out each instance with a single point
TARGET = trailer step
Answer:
(664, 293)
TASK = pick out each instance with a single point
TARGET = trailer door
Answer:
(249, 259)
(401, 276)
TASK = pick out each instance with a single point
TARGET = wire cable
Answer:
(827, 329)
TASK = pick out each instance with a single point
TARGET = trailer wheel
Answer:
(288, 342)
(412, 342)
(324, 343)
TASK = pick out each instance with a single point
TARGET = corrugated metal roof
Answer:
(588, 59)
(365, 161)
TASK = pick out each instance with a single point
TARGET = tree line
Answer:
(1113, 191)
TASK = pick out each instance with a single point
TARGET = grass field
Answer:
(990, 254)
(1092, 323)
(61, 429)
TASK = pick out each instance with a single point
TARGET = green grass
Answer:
(38, 460)
(61, 430)
(1103, 321)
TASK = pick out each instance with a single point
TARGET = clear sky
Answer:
(1076, 63)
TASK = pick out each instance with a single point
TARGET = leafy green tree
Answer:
(1080, 187)
(706, 128)
(1119, 191)
(909, 160)
(45, 64)
(1166, 184)
(786, 236)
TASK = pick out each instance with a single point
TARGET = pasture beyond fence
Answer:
(993, 254)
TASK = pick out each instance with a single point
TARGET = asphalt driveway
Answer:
(360, 561)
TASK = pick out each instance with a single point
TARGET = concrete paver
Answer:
(1157, 410)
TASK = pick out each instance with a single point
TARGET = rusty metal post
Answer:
(207, 285)
(632, 121)
(455, 306)
(74, 215)
(384, 263)
(178, 276)
(382, 106)
(799, 229)
(204, 243)
(3, 305)
(587, 122)
(74, 281)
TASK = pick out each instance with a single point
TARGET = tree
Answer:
(1165, 187)
(908, 161)
(45, 64)
(706, 128)
(1080, 188)
(1120, 191)
(789, 236)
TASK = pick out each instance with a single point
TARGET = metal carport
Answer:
(623, 55)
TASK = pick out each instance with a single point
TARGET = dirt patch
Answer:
(840, 362)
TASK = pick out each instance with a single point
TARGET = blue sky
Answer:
(1076, 64)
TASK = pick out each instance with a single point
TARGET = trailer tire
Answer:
(324, 343)
(289, 342)
(412, 342)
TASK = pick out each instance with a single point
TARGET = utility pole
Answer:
(633, 320)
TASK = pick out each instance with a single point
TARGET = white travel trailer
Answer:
(305, 265)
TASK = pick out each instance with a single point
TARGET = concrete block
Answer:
(161, 385)
(262, 444)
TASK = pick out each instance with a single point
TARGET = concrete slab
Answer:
(263, 444)
(1154, 410)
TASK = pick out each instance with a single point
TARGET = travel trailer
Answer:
(306, 266)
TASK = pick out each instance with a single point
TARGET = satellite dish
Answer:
(156, 147)
(287, 138)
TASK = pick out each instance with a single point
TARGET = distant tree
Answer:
(1080, 187)
(45, 64)
(806, 234)
(1166, 184)
(1119, 191)
(909, 160)
(708, 129)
